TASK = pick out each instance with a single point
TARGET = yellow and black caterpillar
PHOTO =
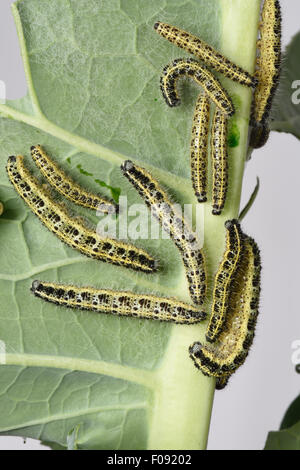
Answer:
(223, 358)
(206, 53)
(66, 186)
(122, 303)
(163, 210)
(191, 68)
(70, 230)
(268, 71)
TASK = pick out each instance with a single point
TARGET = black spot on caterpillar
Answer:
(191, 68)
(73, 231)
(163, 210)
(268, 70)
(122, 303)
(219, 154)
(224, 279)
(66, 186)
(204, 52)
(225, 357)
(199, 143)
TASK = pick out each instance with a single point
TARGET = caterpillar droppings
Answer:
(163, 210)
(66, 186)
(73, 231)
(205, 53)
(122, 303)
(202, 76)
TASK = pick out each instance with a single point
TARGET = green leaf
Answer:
(288, 439)
(92, 69)
(292, 416)
(285, 113)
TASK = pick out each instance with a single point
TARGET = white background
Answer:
(257, 397)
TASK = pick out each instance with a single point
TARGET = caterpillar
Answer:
(202, 76)
(224, 358)
(163, 210)
(268, 69)
(205, 53)
(66, 186)
(122, 303)
(259, 135)
(199, 142)
(219, 156)
(224, 279)
(1, 208)
(73, 231)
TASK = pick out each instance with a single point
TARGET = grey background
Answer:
(259, 394)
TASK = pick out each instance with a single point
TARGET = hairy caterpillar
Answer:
(199, 144)
(219, 155)
(201, 75)
(259, 135)
(122, 303)
(66, 186)
(224, 279)
(268, 70)
(206, 53)
(73, 231)
(225, 357)
(162, 208)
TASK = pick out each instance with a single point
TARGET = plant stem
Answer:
(182, 407)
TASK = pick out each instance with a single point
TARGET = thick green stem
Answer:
(182, 408)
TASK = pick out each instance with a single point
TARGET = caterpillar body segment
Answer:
(205, 53)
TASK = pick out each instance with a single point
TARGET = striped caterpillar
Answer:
(163, 210)
(199, 142)
(66, 186)
(202, 76)
(122, 303)
(205, 53)
(268, 71)
(219, 156)
(73, 231)
(200, 129)
(224, 279)
(222, 359)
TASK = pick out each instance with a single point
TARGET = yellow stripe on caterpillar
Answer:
(202, 76)
(219, 154)
(204, 52)
(199, 143)
(224, 280)
(122, 303)
(172, 222)
(268, 61)
(66, 186)
(225, 357)
(73, 232)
